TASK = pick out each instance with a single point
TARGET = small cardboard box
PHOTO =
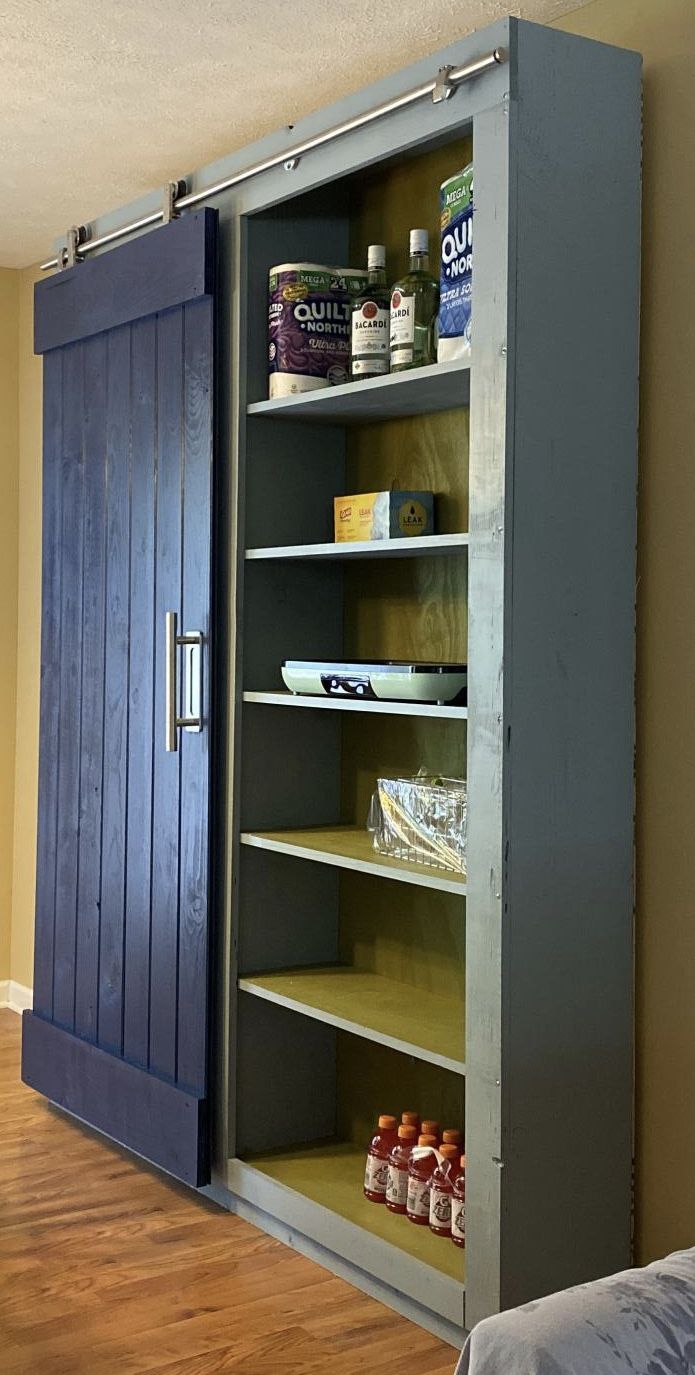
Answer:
(383, 515)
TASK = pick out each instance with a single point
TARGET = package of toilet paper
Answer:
(456, 207)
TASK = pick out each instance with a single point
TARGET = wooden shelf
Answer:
(406, 547)
(438, 387)
(291, 699)
(350, 847)
(331, 1174)
(405, 1018)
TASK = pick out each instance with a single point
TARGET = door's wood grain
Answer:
(70, 676)
(93, 646)
(141, 744)
(50, 684)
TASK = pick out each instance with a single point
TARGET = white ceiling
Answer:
(100, 102)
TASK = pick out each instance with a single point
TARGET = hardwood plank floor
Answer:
(107, 1268)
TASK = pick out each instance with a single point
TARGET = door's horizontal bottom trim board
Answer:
(419, 391)
(408, 1019)
(148, 1115)
(292, 699)
(350, 847)
(406, 547)
(318, 1189)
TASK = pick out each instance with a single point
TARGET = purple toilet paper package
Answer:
(309, 326)
(456, 285)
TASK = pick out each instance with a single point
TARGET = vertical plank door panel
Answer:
(93, 648)
(119, 1031)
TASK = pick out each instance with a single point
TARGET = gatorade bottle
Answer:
(458, 1206)
(421, 1166)
(397, 1179)
(376, 1169)
(411, 1119)
(442, 1188)
(430, 1128)
(451, 1136)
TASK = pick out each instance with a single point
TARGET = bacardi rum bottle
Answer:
(370, 320)
(414, 305)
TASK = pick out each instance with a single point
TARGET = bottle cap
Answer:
(450, 1152)
(462, 1162)
(452, 1135)
(376, 255)
(386, 1123)
(410, 1119)
(426, 1140)
(419, 241)
(406, 1133)
(430, 1127)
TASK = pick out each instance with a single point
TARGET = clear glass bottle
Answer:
(369, 320)
(414, 306)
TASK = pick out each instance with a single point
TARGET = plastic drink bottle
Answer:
(458, 1206)
(376, 1169)
(442, 1188)
(411, 1119)
(397, 1179)
(423, 1162)
(430, 1128)
(451, 1136)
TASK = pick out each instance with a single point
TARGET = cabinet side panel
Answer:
(567, 1059)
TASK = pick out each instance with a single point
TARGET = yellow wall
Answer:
(29, 637)
(664, 30)
(8, 594)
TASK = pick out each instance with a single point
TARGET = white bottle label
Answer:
(458, 1218)
(370, 340)
(397, 1186)
(418, 1197)
(402, 328)
(375, 1175)
(440, 1209)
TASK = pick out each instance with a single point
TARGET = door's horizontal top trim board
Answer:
(291, 699)
(350, 847)
(418, 391)
(167, 268)
(408, 1019)
(330, 1175)
(406, 547)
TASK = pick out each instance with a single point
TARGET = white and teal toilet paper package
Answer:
(456, 206)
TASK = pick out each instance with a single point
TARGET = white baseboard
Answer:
(15, 996)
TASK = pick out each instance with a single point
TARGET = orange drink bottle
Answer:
(376, 1169)
(430, 1128)
(458, 1206)
(442, 1189)
(421, 1166)
(397, 1179)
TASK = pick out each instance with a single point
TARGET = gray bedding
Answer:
(639, 1321)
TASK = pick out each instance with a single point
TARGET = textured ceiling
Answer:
(100, 102)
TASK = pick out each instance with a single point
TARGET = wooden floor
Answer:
(106, 1268)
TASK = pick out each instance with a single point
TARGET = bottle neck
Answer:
(419, 262)
(377, 276)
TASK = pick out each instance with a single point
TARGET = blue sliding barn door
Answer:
(119, 1029)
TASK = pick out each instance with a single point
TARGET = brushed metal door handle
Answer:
(193, 640)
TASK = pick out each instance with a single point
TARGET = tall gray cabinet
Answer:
(347, 985)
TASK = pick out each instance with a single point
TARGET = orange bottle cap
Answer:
(386, 1123)
(427, 1140)
(406, 1133)
(462, 1162)
(430, 1127)
(410, 1118)
(453, 1135)
(449, 1151)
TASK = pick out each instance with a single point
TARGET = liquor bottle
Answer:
(369, 331)
(414, 306)
(377, 1168)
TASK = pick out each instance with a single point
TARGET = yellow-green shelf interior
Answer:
(427, 1021)
(332, 1174)
(352, 846)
